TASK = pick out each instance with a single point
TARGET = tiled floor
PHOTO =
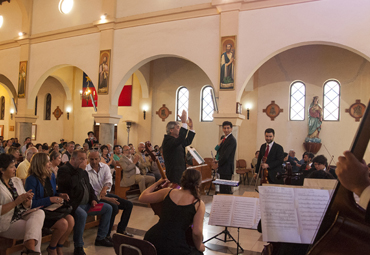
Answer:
(142, 218)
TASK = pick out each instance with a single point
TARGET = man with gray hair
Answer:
(23, 167)
(174, 143)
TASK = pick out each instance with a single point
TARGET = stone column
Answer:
(24, 125)
(106, 133)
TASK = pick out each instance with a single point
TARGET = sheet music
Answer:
(234, 211)
(311, 205)
(279, 217)
(221, 210)
(291, 214)
(244, 212)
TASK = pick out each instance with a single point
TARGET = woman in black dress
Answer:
(181, 209)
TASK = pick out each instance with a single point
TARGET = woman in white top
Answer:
(14, 201)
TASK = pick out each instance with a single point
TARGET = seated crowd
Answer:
(77, 181)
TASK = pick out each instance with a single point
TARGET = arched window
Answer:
(48, 107)
(206, 104)
(331, 100)
(182, 101)
(36, 106)
(2, 108)
(297, 101)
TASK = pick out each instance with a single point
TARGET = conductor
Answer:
(176, 139)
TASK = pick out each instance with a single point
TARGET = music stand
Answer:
(226, 231)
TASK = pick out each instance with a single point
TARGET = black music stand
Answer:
(226, 231)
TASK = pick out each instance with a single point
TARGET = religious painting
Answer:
(22, 79)
(2, 130)
(227, 62)
(88, 92)
(104, 72)
(11, 128)
(356, 110)
(272, 110)
(238, 108)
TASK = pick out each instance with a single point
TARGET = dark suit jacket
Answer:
(275, 160)
(69, 181)
(174, 154)
(226, 156)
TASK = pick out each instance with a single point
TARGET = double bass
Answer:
(344, 229)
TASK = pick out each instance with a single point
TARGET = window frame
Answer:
(177, 102)
(323, 99)
(201, 103)
(290, 100)
(47, 114)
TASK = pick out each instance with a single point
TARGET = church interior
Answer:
(168, 53)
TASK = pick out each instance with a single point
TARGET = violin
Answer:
(344, 229)
(265, 172)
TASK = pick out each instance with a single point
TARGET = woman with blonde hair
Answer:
(181, 209)
(41, 181)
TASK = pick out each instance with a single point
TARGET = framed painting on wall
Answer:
(227, 62)
(2, 130)
(22, 79)
(33, 132)
(104, 67)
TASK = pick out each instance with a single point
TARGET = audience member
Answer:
(144, 162)
(29, 145)
(131, 172)
(67, 154)
(8, 145)
(45, 149)
(86, 149)
(101, 181)
(14, 201)
(74, 180)
(307, 165)
(41, 181)
(117, 152)
(22, 170)
(55, 159)
(15, 152)
(181, 208)
(61, 143)
(91, 139)
(105, 157)
(55, 146)
(24, 147)
(39, 147)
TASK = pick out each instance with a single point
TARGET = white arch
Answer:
(139, 72)
(270, 55)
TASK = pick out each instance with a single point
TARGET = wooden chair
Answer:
(206, 172)
(124, 245)
(242, 170)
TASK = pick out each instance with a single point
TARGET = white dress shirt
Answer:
(101, 179)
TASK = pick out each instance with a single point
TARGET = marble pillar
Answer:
(106, 133)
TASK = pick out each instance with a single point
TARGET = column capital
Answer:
(25, 118)
(234, 118)
(107, 118)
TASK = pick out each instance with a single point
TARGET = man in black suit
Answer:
(226, 156)
(275, 157)
(174, 143)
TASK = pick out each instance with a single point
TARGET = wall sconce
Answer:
(80, 94)
(68, 110)
(128, 126)
(22, 34)
(145, 109)
(11, 113)
(103, 17)
(248, 106)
